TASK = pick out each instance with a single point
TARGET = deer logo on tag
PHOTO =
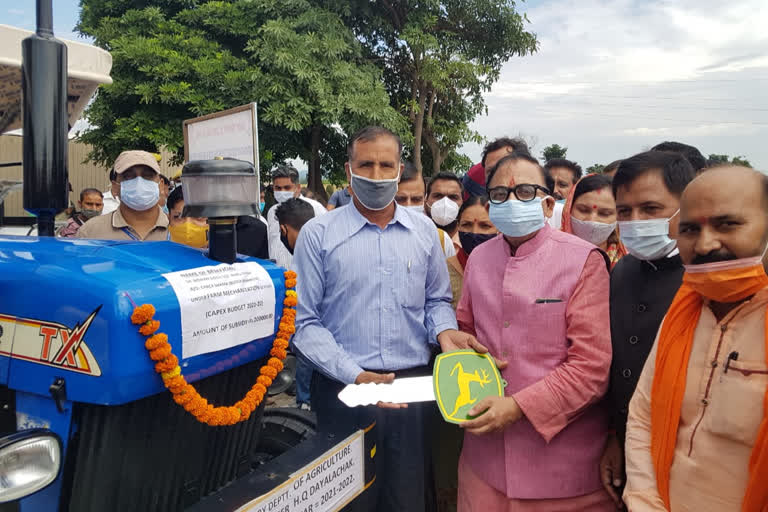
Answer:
(463, 378)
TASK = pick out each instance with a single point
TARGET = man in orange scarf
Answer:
(697, 436)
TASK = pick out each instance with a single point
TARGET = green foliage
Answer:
(725, 159)
(178, 59)
(437, 60)
(595, 169)
(553, 151)
(740, 160)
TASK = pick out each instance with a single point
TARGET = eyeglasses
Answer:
(523, 192)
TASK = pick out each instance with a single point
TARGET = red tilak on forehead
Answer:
(599, 191)
(703, 221)
(512, 182)
(594, 207)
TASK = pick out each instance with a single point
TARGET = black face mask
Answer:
(284, 239)
(471, 240)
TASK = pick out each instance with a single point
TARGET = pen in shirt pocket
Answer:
(548, 301)
(409, 266)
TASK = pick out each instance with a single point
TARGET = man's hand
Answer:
(379, 378)
(612, 469)
(452, 339)
(500, 411)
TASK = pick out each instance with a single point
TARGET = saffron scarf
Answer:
(673, 353)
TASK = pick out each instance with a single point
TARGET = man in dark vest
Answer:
(647, 187)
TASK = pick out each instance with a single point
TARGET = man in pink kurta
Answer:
(538, 299)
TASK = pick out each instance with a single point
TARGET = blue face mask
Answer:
(261, 207)
(139, 194)
(647, 240)
(516, 218)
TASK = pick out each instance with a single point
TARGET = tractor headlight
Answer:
(29, 461)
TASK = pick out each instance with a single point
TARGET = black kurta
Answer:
(641, 293)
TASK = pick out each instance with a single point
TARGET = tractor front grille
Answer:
(151, 455)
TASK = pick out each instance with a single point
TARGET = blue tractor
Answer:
(85, 422)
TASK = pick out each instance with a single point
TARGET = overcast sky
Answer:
(612, 78)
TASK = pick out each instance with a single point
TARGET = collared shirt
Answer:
(111, 203)
(340, 198)
(370, 298)
(719, 417)
(278, 251)
(545, 311)
(113, 226)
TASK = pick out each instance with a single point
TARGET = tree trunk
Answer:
(418, 128)
(430, 139)
(315, 173)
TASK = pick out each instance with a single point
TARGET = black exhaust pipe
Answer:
(46, 124)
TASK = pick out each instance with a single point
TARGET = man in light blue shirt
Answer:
(375, 300)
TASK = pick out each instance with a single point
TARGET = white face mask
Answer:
(647, 240)
(593, 232)
(139, 194)
(282, 196)
(444, 211)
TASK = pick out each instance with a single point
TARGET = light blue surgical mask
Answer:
(261, 206)
(517, 218)
(139, 194)
(647, 240)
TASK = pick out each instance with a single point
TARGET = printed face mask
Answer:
(471, 240)
(647, 240)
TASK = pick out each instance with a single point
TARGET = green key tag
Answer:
(463, 378)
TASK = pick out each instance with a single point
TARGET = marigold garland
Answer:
(184, 394)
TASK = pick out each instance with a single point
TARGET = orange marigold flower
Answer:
(260, 388)
(290, 283)
(264, 381)
(278, 353)
(269, 371)
(280, 343)
(167, 364)
(275, 363)
(149, 328)
(160, 353)
(156, 341)
(290, 274)
(290, 301)
(142, 314)
(182, 398)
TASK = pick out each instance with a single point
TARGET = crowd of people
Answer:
(625, 310)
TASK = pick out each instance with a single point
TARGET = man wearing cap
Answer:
(139, 216)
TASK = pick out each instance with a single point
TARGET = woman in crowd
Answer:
(475, 227)
(590, 214)
(190, 231)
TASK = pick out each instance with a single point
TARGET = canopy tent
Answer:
(88, 67)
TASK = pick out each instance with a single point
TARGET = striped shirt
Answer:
(370, 298)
